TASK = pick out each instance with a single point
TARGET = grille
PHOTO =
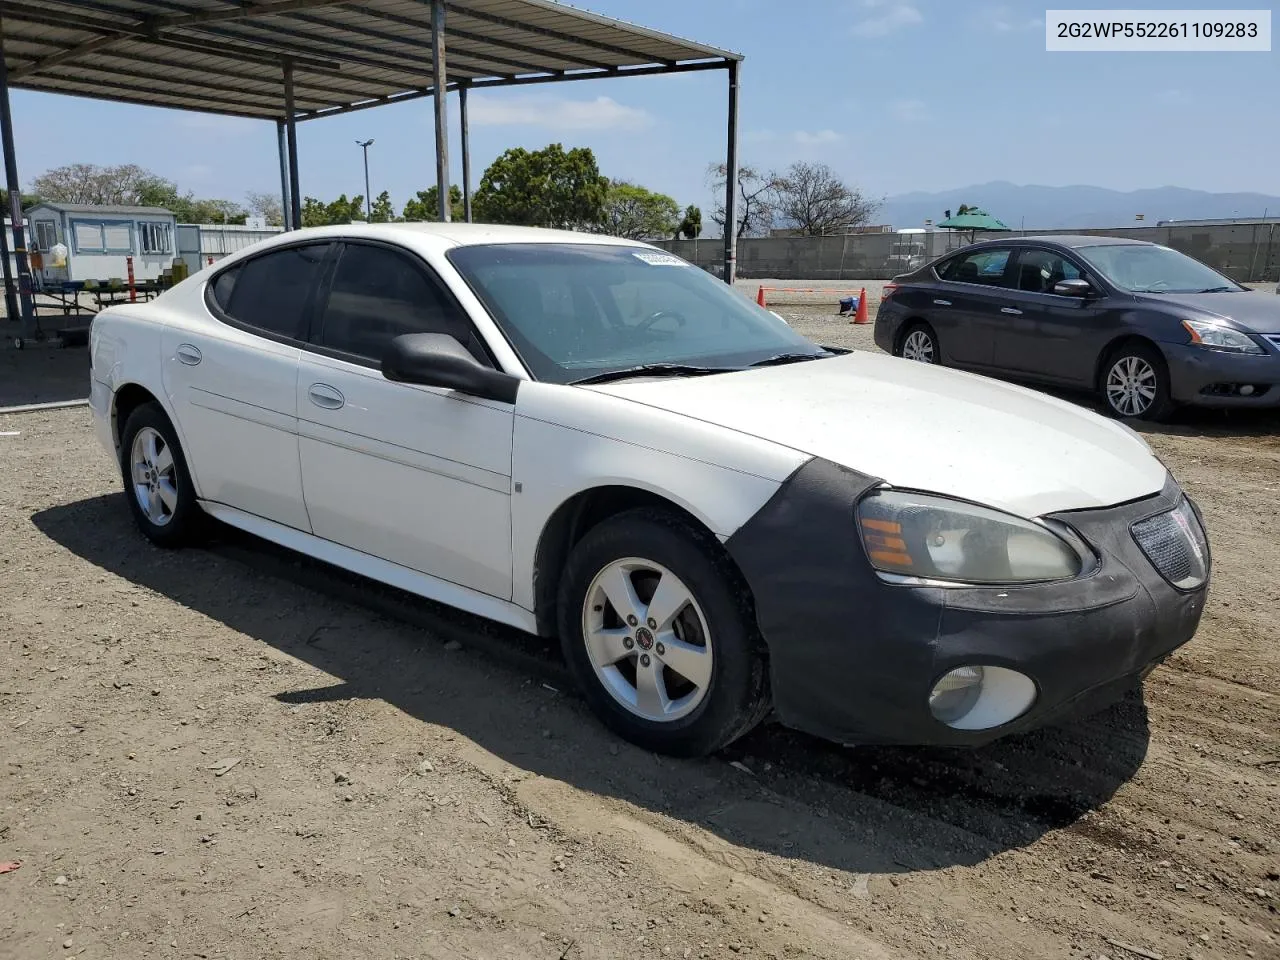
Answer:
(1175, 544)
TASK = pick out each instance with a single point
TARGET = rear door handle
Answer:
(323, 395)
(1014, 311)
(942, 303)
(188, 354)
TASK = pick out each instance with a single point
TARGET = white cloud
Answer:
(816, 138)
(1005, 19)
(886, 16)
(909, 111)
(598, 114)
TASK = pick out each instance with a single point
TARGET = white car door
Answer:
(231, 374)
(419, 476)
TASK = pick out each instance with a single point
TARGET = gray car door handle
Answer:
(942, 303)
(1011, 310)
(323, 395)
(188, 354)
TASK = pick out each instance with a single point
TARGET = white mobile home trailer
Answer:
(99, 240)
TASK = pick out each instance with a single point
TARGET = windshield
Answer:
(574, 311)
(1151, 269)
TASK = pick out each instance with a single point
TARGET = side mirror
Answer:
(439, 360)
(1073, 288)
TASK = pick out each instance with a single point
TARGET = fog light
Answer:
(955, 694)
(976, 697)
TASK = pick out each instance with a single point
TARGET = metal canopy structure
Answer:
(290, 61)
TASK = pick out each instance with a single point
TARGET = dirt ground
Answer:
(232, 753)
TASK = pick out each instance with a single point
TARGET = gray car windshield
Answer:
(1139, 268)
(578, 311)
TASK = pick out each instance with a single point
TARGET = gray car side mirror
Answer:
(1073, 288)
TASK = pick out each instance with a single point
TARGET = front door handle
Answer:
(323, 395)
(188, 353)
(942, 303)
(1014, 311)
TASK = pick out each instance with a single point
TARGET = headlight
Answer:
(1217, 337)
(925, 537)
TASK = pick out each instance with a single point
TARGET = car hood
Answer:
(1259, 311)
(923, 427)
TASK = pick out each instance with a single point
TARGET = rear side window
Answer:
(270, 293)
(982, 266)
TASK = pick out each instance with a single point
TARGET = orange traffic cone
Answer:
(861, 316)
(760, 296)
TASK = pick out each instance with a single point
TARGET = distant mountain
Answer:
(1077, 206)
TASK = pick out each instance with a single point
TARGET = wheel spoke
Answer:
(690, 661)
(150, 447)
(651, 690)
(154, 509)
(140, 473)
(617, 586)
(606, 645)
(163, 460)
(669, 598)
(168, 494)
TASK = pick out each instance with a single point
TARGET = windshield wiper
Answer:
(1216, 290)
(781, 358)
(651, 370)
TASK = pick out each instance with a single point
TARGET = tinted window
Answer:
(223, 286)
(982, 266)
(578, 310)
(378, 294)
(1039, 270)
(271, 292)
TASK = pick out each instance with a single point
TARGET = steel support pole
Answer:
(291, 131)
(731, 181)
(282, 140)
(466, 153)
(10, 295)
(441, 101)
(24, 304)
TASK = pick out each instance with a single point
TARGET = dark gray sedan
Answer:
(1146, 327)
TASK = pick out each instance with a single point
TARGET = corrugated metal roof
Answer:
(228, 56)
(102, 208)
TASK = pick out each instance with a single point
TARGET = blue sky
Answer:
(895, 95)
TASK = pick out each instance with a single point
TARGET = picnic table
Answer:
(66, 293)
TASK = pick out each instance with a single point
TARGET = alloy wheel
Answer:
(155, 482)
(918, 346)
(1131, 386)
(647, 639)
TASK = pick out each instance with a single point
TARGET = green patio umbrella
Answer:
(975, 221)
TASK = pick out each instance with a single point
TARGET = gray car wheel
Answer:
(920, 344)
(1135, 383)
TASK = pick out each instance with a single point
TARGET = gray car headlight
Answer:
(1217, 337)
(923, 537)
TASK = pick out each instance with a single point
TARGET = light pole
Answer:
(368, 200)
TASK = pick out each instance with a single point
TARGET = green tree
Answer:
(313, 213)
(425, 205)
(550, 187)
(383, 212)
(691, 225)
(265, 205)
(636, 213)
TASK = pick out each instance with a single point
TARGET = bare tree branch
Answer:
(817, 202)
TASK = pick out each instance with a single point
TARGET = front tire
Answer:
(1135, 384)
(656, 626)
(919, 343)
(157, 483)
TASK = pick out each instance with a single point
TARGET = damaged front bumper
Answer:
(853, 658)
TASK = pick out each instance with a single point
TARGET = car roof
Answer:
(457, 234)
(1070, 241)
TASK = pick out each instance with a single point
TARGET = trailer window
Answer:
(155, 238)
(46, 235)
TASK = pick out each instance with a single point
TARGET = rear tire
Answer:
(919, 343)
(658, 631)
(1135, 383)
(157, 484)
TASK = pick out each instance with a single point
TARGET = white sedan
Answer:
(589, 437)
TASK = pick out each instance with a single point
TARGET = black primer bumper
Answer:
(853, 658)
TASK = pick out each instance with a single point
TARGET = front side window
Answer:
(270, 293)
(379, 294)
(579, 310)
(1039, 270)
(1142, 268)
(985, 266)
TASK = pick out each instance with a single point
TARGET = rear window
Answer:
(270, 293)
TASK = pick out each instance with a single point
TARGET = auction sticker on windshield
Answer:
(655, 259)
